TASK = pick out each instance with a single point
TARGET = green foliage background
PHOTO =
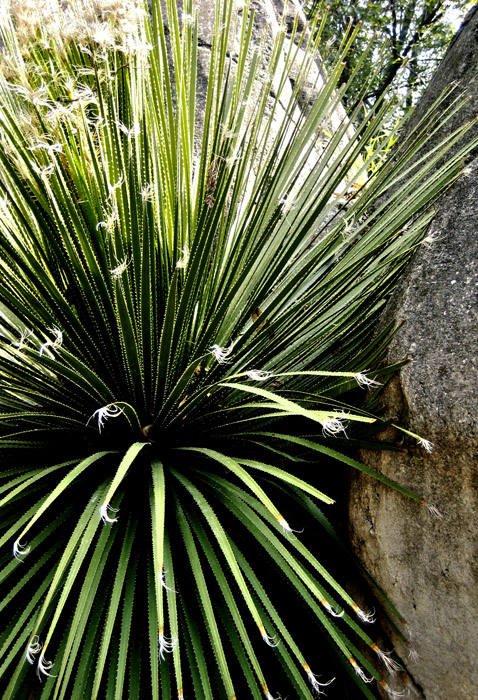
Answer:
(408, 40)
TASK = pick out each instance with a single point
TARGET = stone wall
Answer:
(270, 18)
(429, 566)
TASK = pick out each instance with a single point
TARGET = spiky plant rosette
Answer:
(179, 319)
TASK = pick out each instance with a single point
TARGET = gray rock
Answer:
(269, 16)
(429, 566)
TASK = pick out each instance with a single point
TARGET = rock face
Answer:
(271, 17)
(429, 566)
